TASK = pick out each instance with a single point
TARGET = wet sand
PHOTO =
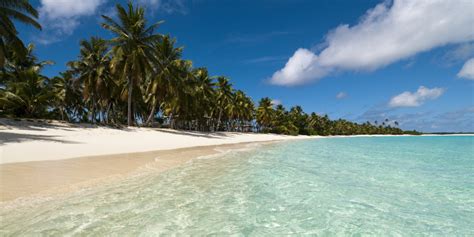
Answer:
(26, 179)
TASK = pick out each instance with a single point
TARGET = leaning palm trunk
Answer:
(129, 103)
(93, 109)
(171, 121)
(107, 113)
(151, 116)
(219, 120)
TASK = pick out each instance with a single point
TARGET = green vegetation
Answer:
(139, 78)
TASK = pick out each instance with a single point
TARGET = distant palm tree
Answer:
(20, 10)
(132, 47)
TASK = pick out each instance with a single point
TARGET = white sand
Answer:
(38, 141)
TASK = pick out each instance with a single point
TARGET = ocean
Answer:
(410, 185)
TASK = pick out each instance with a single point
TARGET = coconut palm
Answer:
(28, 96)
(132, 47)
(93, 72)
(20, 10)
(68, 101)
(160, 81)
(204, 97)
(224, 98)
(179, 99)
(265, 113)
(17, 63)
(243, 109)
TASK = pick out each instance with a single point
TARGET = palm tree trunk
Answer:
(93, 110)
(62, 112)
(171, 121)
(150, 117)
(129, 103)
(219, 120)
(107, 113)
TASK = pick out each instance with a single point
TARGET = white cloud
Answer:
(61, 17)
(300, 68)
(409, 99)
(341, 95)
(276, 102)
(467, 71)
(54, 9)
(385, 34)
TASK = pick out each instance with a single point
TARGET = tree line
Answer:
(139, 78)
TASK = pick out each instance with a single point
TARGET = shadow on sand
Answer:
(7, 137)
(214, 135)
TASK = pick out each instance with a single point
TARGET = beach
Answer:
(38, 156)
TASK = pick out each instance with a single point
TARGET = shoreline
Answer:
(26, 181)
(38, 158)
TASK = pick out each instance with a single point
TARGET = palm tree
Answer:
(204, 96)
(132, 47)
(93, 71)
(243, 109)
(20, 10)
(179, 101)
(224, 98)
(17, 62)
(265, 113)
(160, 82)
(28, 96)
(68, 97)
(23, 90)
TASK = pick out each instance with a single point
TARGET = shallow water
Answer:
(345, 186)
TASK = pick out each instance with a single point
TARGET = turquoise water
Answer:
(336, 186)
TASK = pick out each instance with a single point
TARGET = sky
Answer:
(410, 61)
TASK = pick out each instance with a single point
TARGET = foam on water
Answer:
(349, 186)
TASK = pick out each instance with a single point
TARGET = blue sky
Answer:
(359, 60)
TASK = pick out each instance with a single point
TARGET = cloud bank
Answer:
(415, 99)
(385, 34)
(467, 71)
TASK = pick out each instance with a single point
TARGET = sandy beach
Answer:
(37, 156)
(38, 141)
